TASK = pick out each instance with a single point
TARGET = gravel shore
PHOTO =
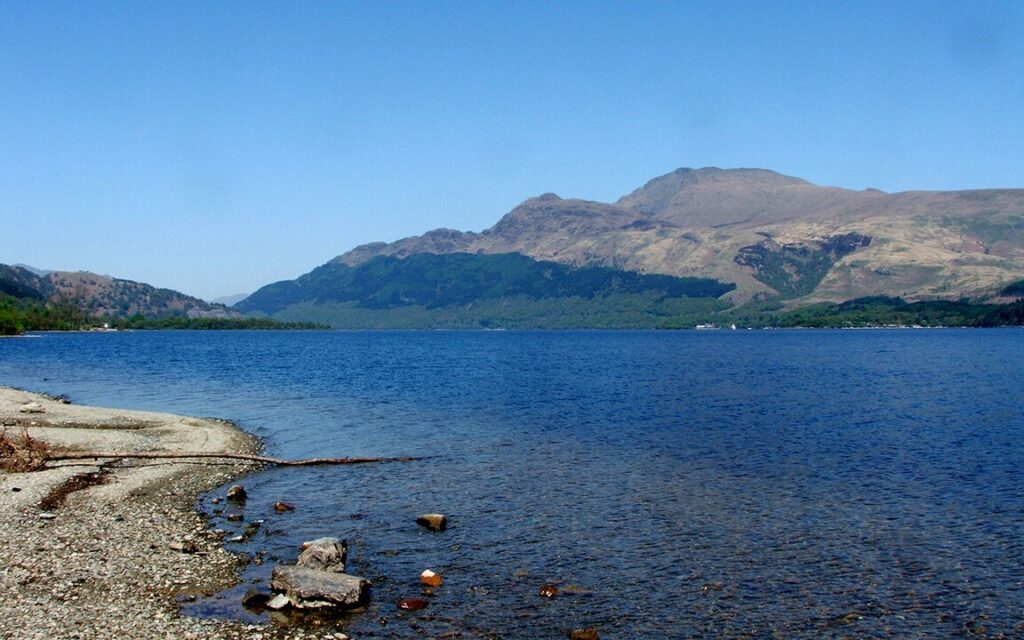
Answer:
(101, 564)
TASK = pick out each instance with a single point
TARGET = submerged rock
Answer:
(311, 588)
(412, 604)
(433, 521)
(324, 554)
(548, 591)
(590, 633)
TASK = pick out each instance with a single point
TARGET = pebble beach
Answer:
(107, 548)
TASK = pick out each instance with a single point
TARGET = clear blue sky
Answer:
(217, 146)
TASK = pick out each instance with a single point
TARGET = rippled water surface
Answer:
(798, 484)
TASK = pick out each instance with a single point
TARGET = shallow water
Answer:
(796, 484)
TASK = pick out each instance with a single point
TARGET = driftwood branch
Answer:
(167, 455)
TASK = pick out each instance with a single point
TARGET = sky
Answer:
(214, 147)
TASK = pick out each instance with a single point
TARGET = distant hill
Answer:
(96, 295)
(229, 301)
(774, 236)
(460, 290)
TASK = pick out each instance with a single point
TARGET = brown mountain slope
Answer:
(770, 234)
(105, 296)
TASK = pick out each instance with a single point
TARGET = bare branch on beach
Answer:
(22, 453)
(177, 455)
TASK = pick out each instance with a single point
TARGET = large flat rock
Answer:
(312, 588)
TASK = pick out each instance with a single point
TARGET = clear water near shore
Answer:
(806, 484)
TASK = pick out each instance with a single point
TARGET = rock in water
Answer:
(430, 579)
(281, 507)
(548, 591)
(433, 521)
(412, 604)
(590, 633)
(324, 554)
(237, 493)
(312, 589)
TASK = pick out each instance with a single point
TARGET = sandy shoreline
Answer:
(102, 565)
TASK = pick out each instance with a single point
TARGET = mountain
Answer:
(461, 290)
(774, 236)
(97, 295)
(230, 301)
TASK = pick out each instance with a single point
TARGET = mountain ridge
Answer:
(708, 222)
(105, 296)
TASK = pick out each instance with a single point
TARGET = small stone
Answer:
(278, 602)
(31, 407)
(412, 604)
(236, 539)
(237, 493)
(215, 500)
(548, 591)
(234, 517)
(430, 579)
(185, 546)
(590, 633)
(15, 489)
(433, 521)
(46, 515)
(281, 507)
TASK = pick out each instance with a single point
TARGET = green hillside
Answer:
(463, 290)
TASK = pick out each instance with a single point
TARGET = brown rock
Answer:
(548, 591)
(237, 493)
(186, 546)
(590, 633)
(430, 579)
(433, 521)
(283, 506)
(412, 604)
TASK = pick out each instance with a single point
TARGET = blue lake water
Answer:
(793, 484)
